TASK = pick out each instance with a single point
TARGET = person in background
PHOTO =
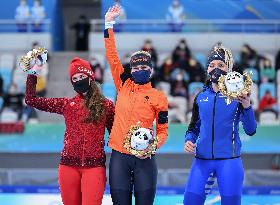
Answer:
(165, 70)
(22, 16)
(195, 70)
(97, 69)
(27, 113)
(13, 99)
(37, 15)
(268, 103)
(176, 16)
(248, 57)
(267, 72)
(148, 46)
(181, 54)
(82, 29)
(179, 87)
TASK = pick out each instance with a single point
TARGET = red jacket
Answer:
(83, 142)
(266, 103)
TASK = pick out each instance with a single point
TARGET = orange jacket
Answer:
(135, 103)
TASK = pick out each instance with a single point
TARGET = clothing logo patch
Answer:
(72, 103)
(204, 100)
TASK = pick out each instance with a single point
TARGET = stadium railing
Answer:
(12, 25)
(193, 25)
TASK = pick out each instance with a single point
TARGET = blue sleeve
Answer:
(194, 126)
(248, 120)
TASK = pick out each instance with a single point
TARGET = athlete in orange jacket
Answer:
(137, 103)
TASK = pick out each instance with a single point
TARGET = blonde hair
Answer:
(228, 55)
(141, 52)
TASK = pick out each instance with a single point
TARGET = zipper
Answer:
(233, 135)
(213, 138)
(233, 148)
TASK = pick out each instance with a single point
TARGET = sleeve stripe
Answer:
(106, 33)
(163, 117)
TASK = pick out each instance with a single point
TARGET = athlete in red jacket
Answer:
(81, 172)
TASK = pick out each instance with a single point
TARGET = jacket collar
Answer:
(142, 87)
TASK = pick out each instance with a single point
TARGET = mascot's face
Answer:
(234, 82)
(141, 139)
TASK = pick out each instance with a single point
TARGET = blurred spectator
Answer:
(8, 115)
(165, 70)
(118, 27)
(22, 16)
(35, 44)
(277, 61)
(267, 72)
(27, 113)
(41, 85)
(13, 99)
(196, 71)
(37, 15)
(268, 103)
(181, 54)
(248, 57)
(176, 16)
(177, 72)
(97, 69)
(148, 46)
(178, 87)
(82, 29)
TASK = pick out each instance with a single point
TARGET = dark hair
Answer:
(95, 103)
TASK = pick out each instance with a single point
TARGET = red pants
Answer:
(81, 186)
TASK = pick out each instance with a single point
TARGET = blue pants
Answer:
(229, 173)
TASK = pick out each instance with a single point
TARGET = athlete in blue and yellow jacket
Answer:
(213, 135)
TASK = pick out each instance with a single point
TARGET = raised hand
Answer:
(32, 62)
(112, 13)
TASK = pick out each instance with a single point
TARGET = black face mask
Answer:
(216, 74)
(81, 86)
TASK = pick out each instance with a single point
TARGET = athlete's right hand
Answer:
(189, 147)
(112, 13)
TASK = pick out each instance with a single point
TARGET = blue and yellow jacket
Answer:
(214, 125)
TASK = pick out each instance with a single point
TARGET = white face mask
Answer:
(176, 3)
(179, 77)
(13, 90)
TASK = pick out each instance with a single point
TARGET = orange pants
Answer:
(81, 186)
